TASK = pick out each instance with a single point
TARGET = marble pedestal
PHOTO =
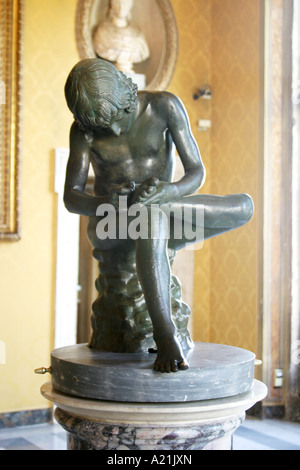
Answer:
(116, 401)
(215, 371)
(115, 426)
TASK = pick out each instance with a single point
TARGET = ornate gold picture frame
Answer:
(154, 18)
(11, 31)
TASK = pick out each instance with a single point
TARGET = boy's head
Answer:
(96, 92)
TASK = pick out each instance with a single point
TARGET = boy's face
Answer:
(120, 124)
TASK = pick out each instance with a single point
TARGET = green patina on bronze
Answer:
(129, 138)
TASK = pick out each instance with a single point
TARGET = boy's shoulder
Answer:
(159, 99)
(79, 134)
(157, 95)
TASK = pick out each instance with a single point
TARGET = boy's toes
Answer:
(153, 181)
(183, 366)
(170, 366)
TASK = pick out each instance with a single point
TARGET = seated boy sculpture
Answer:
(129, 138)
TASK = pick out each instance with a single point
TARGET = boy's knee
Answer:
(247, 208)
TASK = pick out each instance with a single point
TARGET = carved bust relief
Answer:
(140, 38)
(118, 40)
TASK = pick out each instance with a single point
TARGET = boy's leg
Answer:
(154, 274)
(216, 215)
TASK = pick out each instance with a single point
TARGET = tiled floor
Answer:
(267, 434)
(253, 434)
(37, 437)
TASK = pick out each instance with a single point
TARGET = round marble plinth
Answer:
(104, 425)
(216, 371)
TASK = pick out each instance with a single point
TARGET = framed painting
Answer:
(154, 20)
(11, 20)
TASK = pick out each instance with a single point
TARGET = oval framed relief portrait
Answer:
(138, 37)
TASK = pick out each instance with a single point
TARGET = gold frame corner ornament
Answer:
(162, 72)
(11, 47)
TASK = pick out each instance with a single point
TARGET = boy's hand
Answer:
(124, 189)
(154, 191)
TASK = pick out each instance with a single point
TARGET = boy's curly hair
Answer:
(96, 92)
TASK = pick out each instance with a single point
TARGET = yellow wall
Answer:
(193, 69)
(27, 267)
(225, 272)
(235, 59)
(220, 45)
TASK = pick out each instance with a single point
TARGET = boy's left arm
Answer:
(187, 148)
(179, 127)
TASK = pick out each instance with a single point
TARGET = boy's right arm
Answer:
(75, 199)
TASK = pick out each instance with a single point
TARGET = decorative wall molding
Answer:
(66, 260)
(11, 52)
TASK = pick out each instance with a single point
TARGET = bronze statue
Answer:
(129, 137)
